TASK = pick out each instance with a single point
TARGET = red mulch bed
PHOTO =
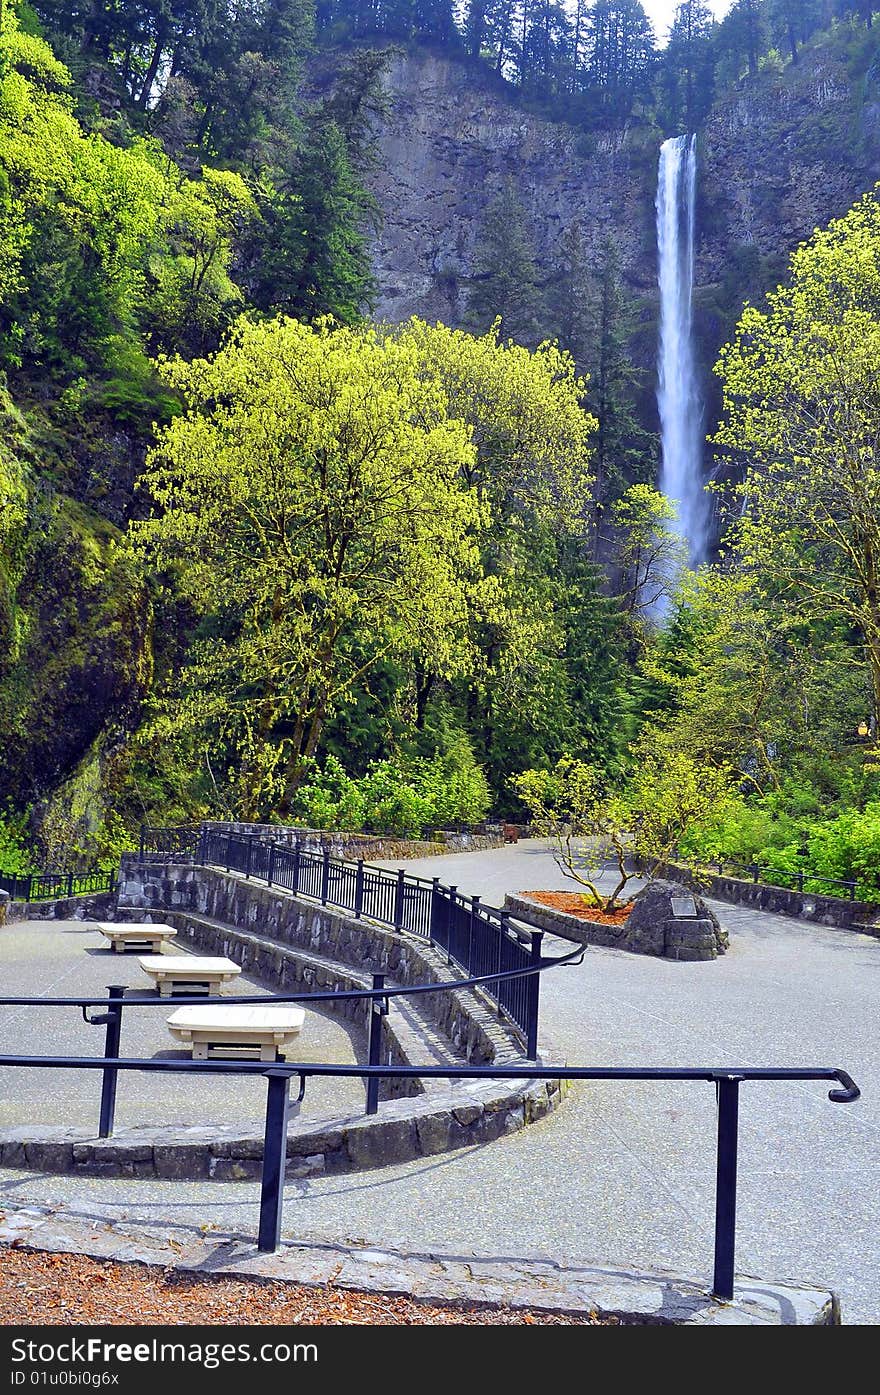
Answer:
(574, 903)
(37, 1287)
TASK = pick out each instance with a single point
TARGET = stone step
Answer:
(865, 928)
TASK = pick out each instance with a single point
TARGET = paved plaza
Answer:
(623, 1172)
(58, 959)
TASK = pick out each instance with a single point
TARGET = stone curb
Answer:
(656, 1298)
(403, 1129)
(685, 941)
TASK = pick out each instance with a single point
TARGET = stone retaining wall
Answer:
(366, 846)
(287, 943)
(277, 915)
(779, 900)
(458, 1117)
(99, 906)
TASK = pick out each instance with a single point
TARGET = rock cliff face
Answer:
(783, 156)
(779, 156)
(450, 141)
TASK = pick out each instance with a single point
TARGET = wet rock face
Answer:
(778, 156)
(447, 145)
(669, 919)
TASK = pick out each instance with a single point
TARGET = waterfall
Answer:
(681, 410)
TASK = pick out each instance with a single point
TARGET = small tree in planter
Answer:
(667, 794)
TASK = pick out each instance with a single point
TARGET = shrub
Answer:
(400, 796)
(16, 856)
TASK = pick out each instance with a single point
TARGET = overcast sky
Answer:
(662, 13)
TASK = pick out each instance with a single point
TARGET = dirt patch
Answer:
(38, 1287)
(576, 904)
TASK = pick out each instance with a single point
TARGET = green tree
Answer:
(743, 682)
(505, 285)
(742, 37)
(801, 412)
(308, 254)
(532, 472)
(650, 554)
(311, 494)
(624, 450)
(689, 66)
(620, 54)
(667, 794)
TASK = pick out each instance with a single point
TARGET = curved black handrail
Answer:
(343, 995)
(726, 1079)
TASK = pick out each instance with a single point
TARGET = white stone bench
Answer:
(188, 973)
(237, 1030)
(125, 935)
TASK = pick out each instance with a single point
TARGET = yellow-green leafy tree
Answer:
(101, 243)
(532, 468)
(640, 825)
(802, 414)
(312, 505)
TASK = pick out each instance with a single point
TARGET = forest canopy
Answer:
(263, 557)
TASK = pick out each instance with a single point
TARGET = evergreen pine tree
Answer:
(623, 449)
(506, 275)
(742, 37)
(688, 65)
(309, 255)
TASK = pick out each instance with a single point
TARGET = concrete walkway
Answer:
(624, 1173)
(59, 959)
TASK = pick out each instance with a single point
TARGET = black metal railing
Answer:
(170, 842)
(726, 1080)
(800, 879)
(484, 941)
(51, 886)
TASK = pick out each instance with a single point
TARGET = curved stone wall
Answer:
(291, 945)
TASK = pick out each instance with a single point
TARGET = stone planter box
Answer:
(649, 929)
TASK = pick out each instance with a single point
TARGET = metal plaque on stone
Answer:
(684, 907)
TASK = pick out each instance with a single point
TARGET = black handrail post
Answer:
(359, 890)
(534, 996)
(451, 908)
(247, 861)
(270, 871)
(475, 902)
(274, 1160)
(111, 1051)
(398, 899)
(202, 854)
(435, 900)
(295, 887)
(228, 851)
(375, 1048)
(725, 1186)
(498, 986)
(325, 875)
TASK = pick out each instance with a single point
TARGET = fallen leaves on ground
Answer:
(575, 903)
(38, 1287)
